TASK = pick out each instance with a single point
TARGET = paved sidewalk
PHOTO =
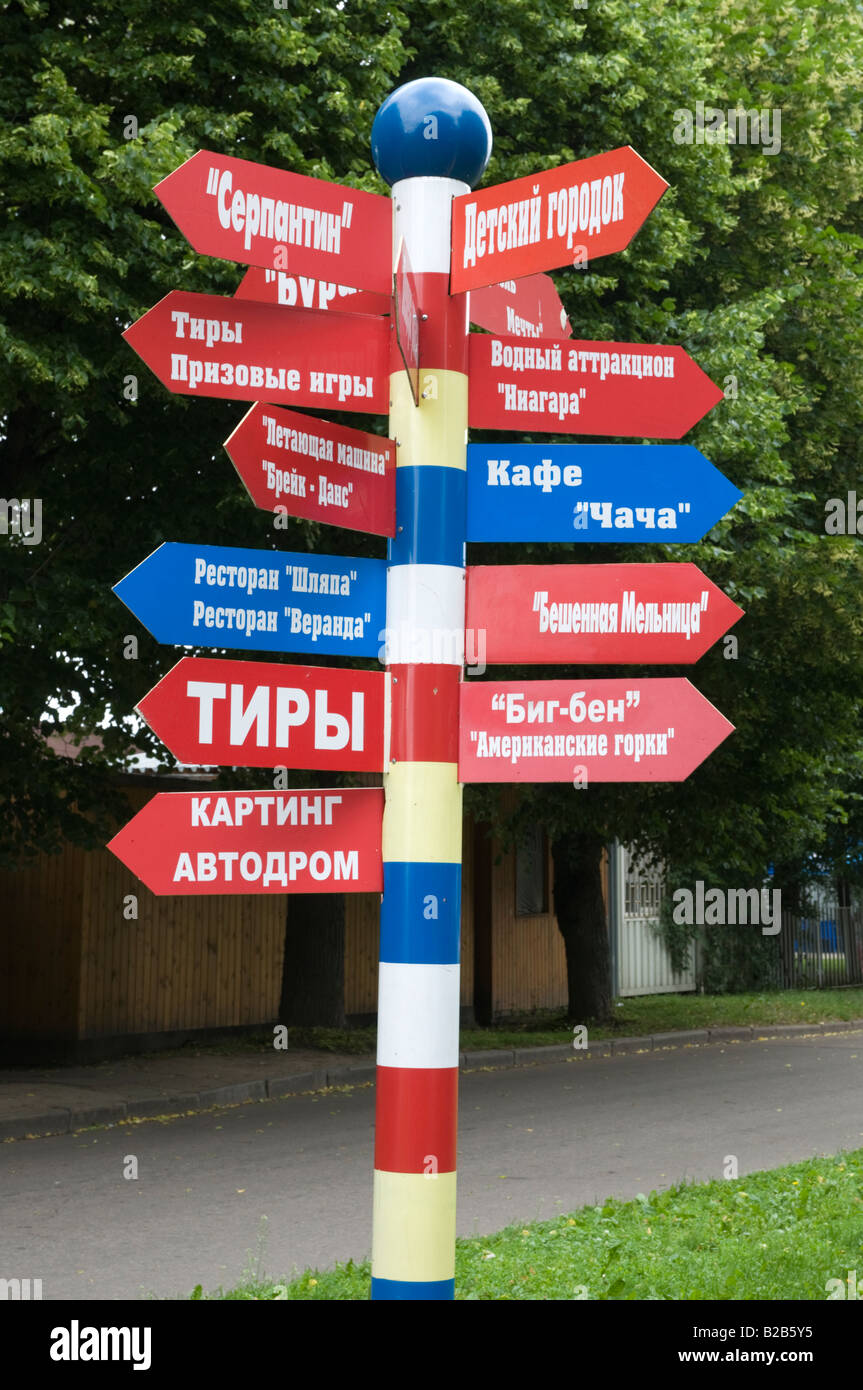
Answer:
(59, 1100)
(56, 1100)
(276, 1187)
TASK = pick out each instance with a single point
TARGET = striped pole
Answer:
(413, 1247)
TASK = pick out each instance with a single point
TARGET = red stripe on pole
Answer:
(444, 333)
(424, 714)
(417, 1115)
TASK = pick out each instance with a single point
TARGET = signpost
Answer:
(246, 212)
(586, 388)
(562, 216)
(311, 841)
(655, 730)
(223, 713)
(528, 308)
(202, 345)
(623, 493)
(413, 1240)
(575, 614)
(316, 469)
(265, 600)
(320, 320)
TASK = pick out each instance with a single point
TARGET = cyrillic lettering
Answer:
(617, 206)
(470, 235)
(275, 871)
(595, 223)
(184, 869)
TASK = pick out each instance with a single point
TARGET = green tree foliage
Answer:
(85, 249)
(751, 261)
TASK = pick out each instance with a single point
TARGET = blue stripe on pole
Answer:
(420, 914)
(430, 517)
(665, 493)
(402, 1290)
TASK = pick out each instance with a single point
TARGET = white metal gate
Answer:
(643, 964)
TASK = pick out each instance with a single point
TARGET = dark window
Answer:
(531, 879)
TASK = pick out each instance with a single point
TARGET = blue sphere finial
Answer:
(434, 128)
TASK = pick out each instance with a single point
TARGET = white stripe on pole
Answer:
(425, 615)
(422, 210)
(418, 1015)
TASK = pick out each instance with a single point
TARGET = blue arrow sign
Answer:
(593, 492)
(269, 600)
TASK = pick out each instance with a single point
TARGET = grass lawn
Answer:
(655, 1013)
(771, 1235)
(663, 1013)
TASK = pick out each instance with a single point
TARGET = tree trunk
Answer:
(313, 975)
(483, 925)
(581, 917)
(843, 893)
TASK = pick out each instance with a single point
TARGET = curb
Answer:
(66, 1121)
(36, 1126)
(525, 1056)
(352, 1075)
(161, 1105)
(621, 1046)
(492, 1057)
(300, 1081)
(691, 1035)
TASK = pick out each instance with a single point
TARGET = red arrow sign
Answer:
(314, 841)
(528, 308)
(304, 292)
(575, 614)
(317, 470)
(563, 216)
(202, 345)
(256, 215)
(585, 731)
(586, 388)
(221, 713)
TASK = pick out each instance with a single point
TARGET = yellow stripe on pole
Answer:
(434, 431)
(422, 820)
(414, 1225)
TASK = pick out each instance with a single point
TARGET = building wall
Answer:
(73, 966)
(186, 963)
(528, 961)
(40, 945)
(208, 962)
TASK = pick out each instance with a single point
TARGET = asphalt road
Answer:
(275, 1186)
